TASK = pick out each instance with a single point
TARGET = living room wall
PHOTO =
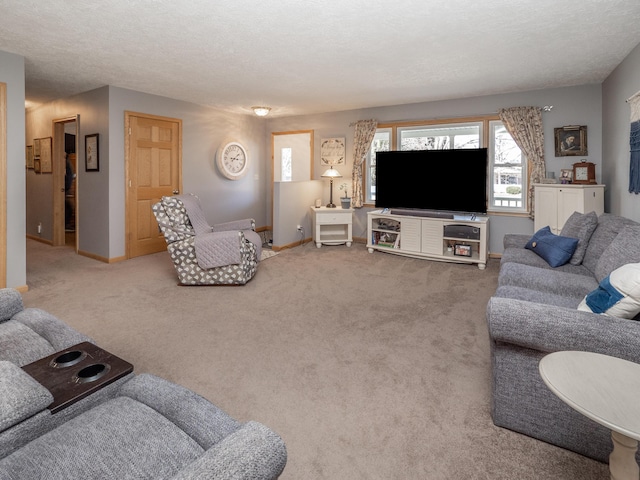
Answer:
(623, 82)
(102, 194)
(580, 105)
(12, 74)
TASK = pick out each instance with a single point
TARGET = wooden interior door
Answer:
(153, 169)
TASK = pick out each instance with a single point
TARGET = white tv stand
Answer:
(424, 236)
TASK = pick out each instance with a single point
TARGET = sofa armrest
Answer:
(252, 452)
(10, 303)
(244, 224)
(548, 328)
(196, 416)
(22, 396)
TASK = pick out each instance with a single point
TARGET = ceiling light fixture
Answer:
(261, 111)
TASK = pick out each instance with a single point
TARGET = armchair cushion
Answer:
(216, 249)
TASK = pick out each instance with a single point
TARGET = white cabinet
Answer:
(555, 203)
(332, 226)
(461, 239)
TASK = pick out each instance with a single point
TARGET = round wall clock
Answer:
(232, 160)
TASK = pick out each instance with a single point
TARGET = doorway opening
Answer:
(65, 182)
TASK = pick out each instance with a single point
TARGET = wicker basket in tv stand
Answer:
(424, 237)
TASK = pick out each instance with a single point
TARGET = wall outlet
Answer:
(40, 227)
(299, 227)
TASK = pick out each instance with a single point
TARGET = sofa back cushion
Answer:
(609, 226)
(580, 226)
(624, 249)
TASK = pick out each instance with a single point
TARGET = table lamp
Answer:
(331, 174)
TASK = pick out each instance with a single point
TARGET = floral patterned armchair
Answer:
(222, 254)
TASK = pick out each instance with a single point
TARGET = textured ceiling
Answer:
(311, 56)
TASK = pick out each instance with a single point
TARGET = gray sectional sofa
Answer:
(138, 427)
(534, 312)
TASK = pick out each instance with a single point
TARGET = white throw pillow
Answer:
(618, 294)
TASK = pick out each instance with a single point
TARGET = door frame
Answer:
(127, 165)
(59, 170)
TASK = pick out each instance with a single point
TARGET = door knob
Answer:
(176, 192)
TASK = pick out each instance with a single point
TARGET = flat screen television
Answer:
(434, 180)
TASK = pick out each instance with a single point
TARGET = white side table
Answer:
(332, 226)
(606, 390)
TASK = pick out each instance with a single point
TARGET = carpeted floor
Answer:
(370, 366)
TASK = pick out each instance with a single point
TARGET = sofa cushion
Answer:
(580, 226)
(22, 396)
(609, 226)
(120, 438)
(549, 280)
(21, 345)
(624, 249)
(555, 249)
(618, 294)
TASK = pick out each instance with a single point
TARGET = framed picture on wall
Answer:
(36, 164)
(29, 156)
(36, 147)
(332, 151)
(571, 140)
(45, 155)
(91, 153)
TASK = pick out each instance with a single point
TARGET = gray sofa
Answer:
(534, 312)
(150, 429)
(138, 427)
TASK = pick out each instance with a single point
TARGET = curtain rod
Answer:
(632, 97)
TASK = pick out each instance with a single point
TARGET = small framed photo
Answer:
(91, 153)
(566, 175)
(46, 165)
(571, 141)
(462, 250)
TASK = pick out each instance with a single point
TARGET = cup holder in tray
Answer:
(91, 373)
(68, 359)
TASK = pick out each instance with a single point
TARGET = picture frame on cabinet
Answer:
(462, 250)
(566, 175)
(571, 141)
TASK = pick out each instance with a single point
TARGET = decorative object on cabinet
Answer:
(91, 153)
(571, 140)
(332, 151)
(346, 200)
(331, 173)
(232, 160)
(462, 250)
(566, 175)
(584, 173)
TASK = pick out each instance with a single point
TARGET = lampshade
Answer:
(332, 173)
(261, 111)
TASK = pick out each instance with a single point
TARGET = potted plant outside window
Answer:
(346, 200)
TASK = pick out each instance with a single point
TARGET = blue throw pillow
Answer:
(555, 249)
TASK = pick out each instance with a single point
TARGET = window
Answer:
(507, 190)
(507, 164)
(286, 164)
(381, 143)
